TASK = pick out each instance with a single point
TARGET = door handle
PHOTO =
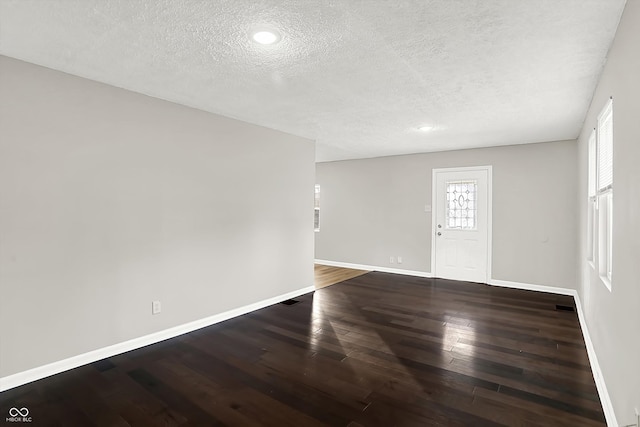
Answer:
(439, 233)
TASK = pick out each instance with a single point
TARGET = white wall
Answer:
(375, 208)
(110, 199)
(613, 317)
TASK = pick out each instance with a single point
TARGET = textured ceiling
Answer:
(357, 76)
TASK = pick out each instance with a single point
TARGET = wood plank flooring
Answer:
(375, 350)
(325, 275)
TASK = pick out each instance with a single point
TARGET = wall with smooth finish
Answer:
(613, 317)
(373, 209)
(110, 199)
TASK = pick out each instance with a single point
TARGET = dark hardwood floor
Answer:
(376, 350)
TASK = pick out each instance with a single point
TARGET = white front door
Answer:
(461, 217)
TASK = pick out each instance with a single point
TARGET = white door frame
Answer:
(434, 201)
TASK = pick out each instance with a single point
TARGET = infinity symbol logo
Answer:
(14, 412)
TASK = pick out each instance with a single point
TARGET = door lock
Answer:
(439, 233)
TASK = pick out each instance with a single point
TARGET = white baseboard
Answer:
(47, 370)
(531, 287)
(605, 399)
(373, 268)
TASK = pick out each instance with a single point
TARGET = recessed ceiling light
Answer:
(425, 128)
(266, 36)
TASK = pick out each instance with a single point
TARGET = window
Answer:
(462, 208)
(605, 228)
(316, 209)
(591, 198)
(604, 193)
(605, 148)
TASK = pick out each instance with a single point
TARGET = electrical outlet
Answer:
(156, 307)
(392, 260)
(399, 260)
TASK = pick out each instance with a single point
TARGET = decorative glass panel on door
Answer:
(462, 208)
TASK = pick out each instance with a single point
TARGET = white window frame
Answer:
(592, 199)
(604, 194)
